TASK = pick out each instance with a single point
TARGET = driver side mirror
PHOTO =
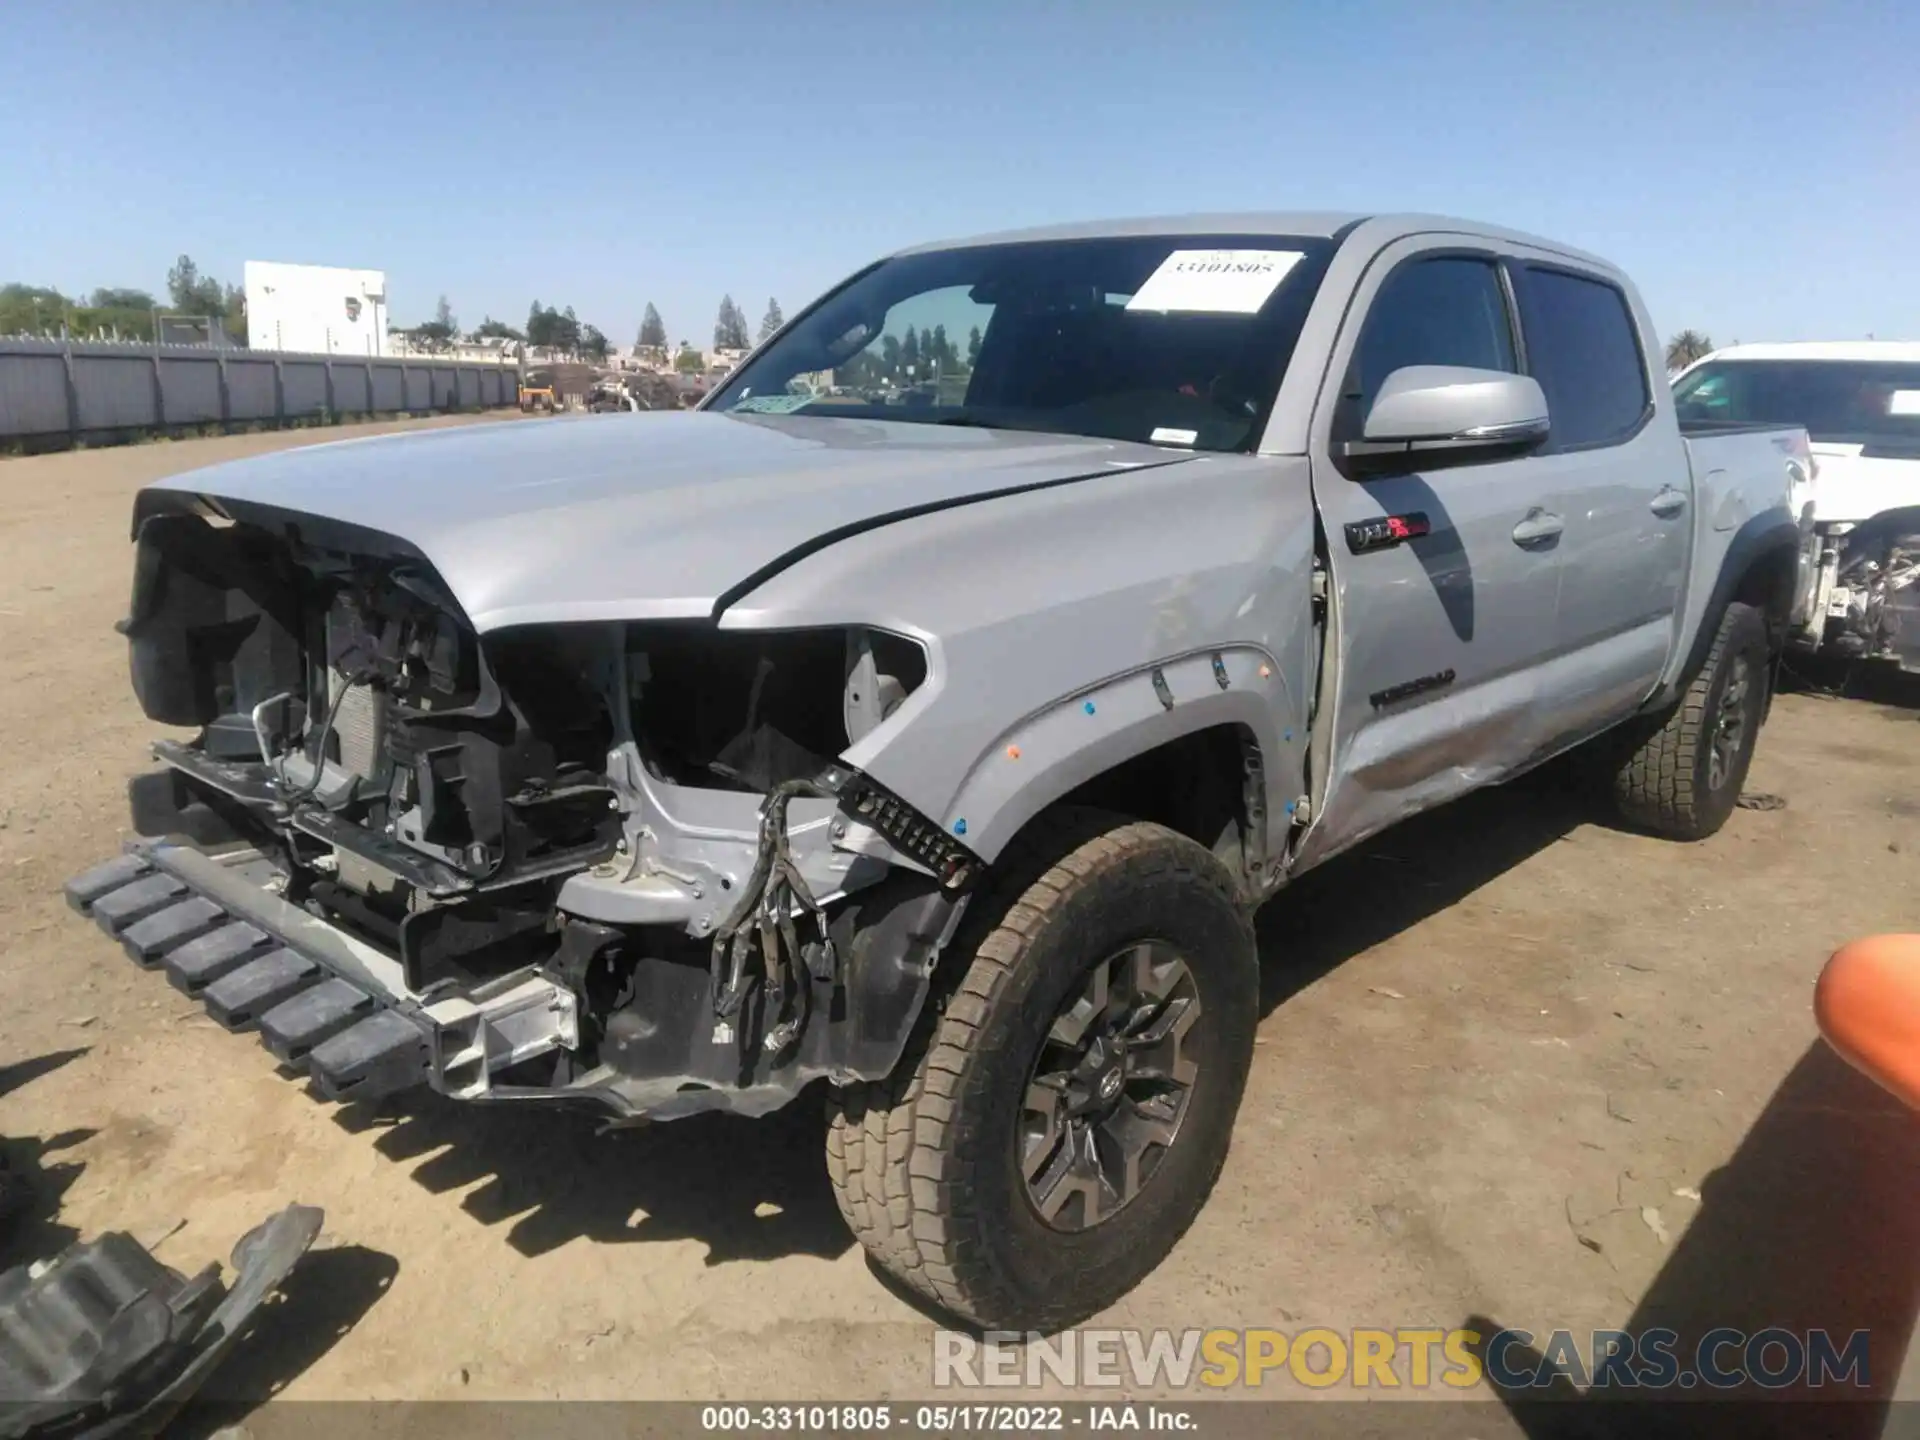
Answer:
(1449, 413)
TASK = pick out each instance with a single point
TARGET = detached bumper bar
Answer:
(257, 963)
(320, 999)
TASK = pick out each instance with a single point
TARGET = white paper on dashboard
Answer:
(1220, 282)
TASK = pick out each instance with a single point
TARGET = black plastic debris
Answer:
(105, 1340)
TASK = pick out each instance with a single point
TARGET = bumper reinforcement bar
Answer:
(320, 1000)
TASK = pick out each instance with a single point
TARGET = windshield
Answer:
(1171, 340)
(1874, 403)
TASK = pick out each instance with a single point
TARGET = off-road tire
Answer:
(1666, 783)
(924, 1164)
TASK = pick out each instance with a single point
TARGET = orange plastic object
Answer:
(1867, 1003)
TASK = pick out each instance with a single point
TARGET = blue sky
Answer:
(1753, 165)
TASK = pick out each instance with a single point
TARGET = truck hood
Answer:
(1853, 486)
(637, 516)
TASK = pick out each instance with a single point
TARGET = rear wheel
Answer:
(1064, 1117)
(1684, 777)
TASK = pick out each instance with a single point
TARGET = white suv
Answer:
(1860, 403)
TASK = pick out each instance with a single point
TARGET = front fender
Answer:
(1050, 753)
(1035, 607)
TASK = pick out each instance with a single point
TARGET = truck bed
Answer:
(1729, 460)
(1693, 429)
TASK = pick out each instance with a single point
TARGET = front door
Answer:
(1444, 581)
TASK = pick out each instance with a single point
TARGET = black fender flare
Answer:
(1772, 535)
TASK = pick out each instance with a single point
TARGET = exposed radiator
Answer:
(360, 729)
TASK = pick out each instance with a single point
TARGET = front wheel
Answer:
(1684, 777)
(1066, 1114)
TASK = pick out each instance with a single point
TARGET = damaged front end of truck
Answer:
(611, 861)
(1867, 589)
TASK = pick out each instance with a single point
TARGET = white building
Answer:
(316, 309)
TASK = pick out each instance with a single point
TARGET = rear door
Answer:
(1615, 461)
(1438, 639)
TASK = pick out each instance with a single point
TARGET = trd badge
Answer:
(1386, 531)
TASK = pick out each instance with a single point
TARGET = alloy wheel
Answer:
(1730, 723)
(1110, 1087)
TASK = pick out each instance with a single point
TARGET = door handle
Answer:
(1538, 526)
(1668, 503)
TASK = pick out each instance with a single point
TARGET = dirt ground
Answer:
(1504, 1048)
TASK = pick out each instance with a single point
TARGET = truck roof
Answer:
(1895, 350)
(1327, 224)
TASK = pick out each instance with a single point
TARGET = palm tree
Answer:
(1685, 348)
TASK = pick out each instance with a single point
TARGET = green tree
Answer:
(554, 329)
(772, 320)
(193, 293)
(593, 345)
(730, 327)
(439, 333)
(233, 313)
(689, 361)
(114, 299)
(862, 372)
(1685, 348)
(492, 329)
(973, 347)
(108, 313)
(32, 310)
(113, 322)
(653, 330)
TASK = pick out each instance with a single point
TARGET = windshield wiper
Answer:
(982, 422)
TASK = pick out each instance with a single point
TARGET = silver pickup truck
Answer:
(922, 720)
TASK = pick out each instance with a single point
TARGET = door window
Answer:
(1583, 349)
(1449, 310)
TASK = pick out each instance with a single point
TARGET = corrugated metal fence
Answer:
(50, 388)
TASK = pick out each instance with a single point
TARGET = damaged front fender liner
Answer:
(661, 1056)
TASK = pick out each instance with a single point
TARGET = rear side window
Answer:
(1584, 351)
(1446, 311)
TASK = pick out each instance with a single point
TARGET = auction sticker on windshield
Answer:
(773, 404)
(1219, 282)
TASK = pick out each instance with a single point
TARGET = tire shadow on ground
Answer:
(1811, 1225)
